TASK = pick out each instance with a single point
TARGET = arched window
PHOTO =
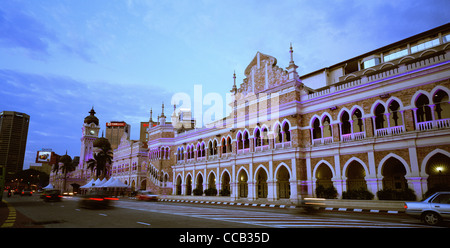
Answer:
(423, 110)
(192, 152)
(199, 150)
(203, 149)
(167, 153)
(278, 136)
(287, 133)
(345, 126)
(442, 106)
(182, 153)
(215, 147)
(379, 117)
(188, 152)
(229, 147)
(327, 129)
(395, 117)
(246, 140)
(240, 143)
(211, 148)
(257, 138)
(357, 121)
(224, 145)
(317, 131)
(265, 137)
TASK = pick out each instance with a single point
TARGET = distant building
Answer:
(115, 131)
(13, 141)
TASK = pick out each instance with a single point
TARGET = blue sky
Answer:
(60, 58)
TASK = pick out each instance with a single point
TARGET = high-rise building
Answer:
(114, 132)
(13, 141)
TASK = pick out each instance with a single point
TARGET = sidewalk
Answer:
(358, 206)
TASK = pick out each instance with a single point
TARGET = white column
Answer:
(251, 184)
(414, 179)
(271, 184)
(293, 180)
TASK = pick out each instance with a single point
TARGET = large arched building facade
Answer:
(382, 121)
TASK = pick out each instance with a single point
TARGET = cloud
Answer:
(20, 29)
(57, 106)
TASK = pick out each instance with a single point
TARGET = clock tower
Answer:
(89, 134)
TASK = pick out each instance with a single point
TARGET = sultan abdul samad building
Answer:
(381, 122)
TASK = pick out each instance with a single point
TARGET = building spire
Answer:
(151, 115)
(234, 89)
(292, 68)
(162, 114)
(292, 55)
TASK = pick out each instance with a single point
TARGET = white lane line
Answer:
(103, 214)
(143, 223)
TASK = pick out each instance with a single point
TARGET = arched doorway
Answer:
(242, 184)
(188, 185)
(143, 185)
(178, 192)
(199, 185)
(393, 173)
(323, 176)
(284, 187)
(355, 176)
(133, 185)
(438, 170)
(261, 183)
(225, 191)
(212, 181)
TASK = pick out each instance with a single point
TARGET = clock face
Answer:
(92, 132)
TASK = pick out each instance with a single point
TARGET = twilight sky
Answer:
(59, 58)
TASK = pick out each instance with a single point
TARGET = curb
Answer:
(353, 210)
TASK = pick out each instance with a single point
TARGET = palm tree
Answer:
(103, 156)
(67, 166)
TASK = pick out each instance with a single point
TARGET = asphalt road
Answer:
(34, 212)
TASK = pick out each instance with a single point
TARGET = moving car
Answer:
(97, 199)
(51, 195)
(432, 210)
(146, 196)
(26, 192)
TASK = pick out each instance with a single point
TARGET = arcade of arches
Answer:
(393, 172)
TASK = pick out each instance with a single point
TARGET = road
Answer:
(33, 212)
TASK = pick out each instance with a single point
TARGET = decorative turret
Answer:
(292, 68)
(162, 118)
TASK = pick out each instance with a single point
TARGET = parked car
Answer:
(146, 196)
(97, 199)
(26, 192)
(432, 210)
(51, 195)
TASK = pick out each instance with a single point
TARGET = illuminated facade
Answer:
(382, 122)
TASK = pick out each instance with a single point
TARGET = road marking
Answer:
(103, 214)
(280, 220)
(143, 223)
(9, 222)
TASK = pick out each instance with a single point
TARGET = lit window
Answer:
(447, 38)
(425, 45)
(371, 62)
(396, 55)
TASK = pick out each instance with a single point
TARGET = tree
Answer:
(66, 167)
(103, 156)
